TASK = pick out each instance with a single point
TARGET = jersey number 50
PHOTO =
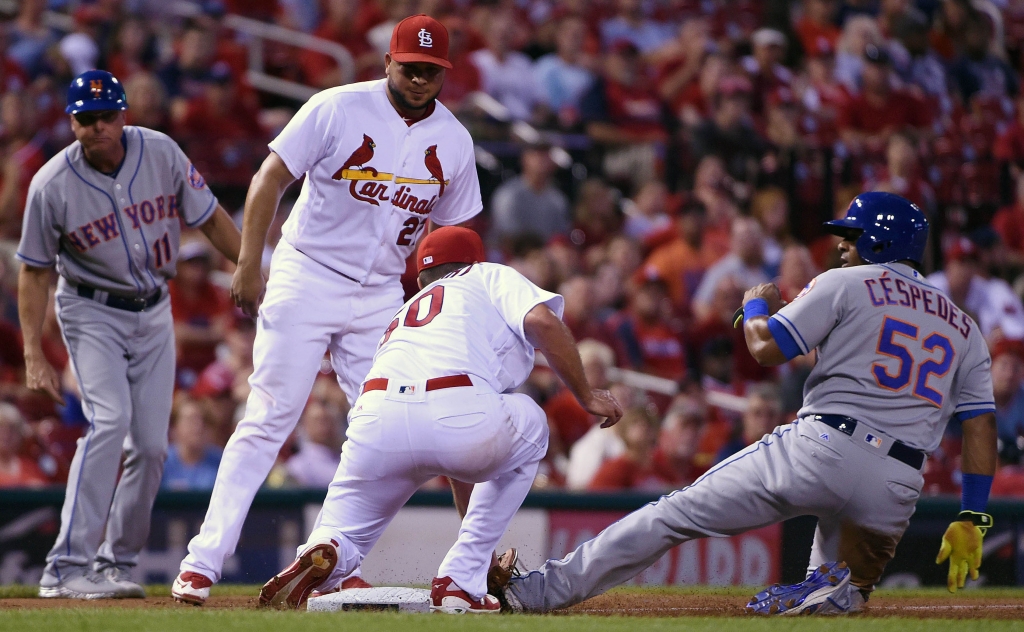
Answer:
(888, 346)
(412, 317)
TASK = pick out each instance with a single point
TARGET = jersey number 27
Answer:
(889, 345)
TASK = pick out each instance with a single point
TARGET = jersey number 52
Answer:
(891, 346)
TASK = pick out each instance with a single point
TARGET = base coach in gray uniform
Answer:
(896, 360)
(107, 211)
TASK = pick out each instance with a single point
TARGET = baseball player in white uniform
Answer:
(380, 159)
(895, 361)
(107, 212)
(439, 401)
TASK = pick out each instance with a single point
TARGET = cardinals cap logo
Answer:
(426, 39)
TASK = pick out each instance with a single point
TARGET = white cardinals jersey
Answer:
(372, 180)
(469, 322)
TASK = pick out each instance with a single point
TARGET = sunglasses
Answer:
(86, 119)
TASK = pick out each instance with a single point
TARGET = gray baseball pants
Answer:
(124, 363)
(863, 500)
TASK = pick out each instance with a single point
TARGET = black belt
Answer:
(127, 303)
(899, 450)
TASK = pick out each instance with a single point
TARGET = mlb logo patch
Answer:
(406, 390)
(873, 441)
(429, 259)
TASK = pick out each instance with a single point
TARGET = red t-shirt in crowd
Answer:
(623, 473)
(900, 109)
(1009, 223)
(568, 418)
(815, 38)
(210, 303)
(25, 474)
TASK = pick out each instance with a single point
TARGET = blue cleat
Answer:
(825, 591)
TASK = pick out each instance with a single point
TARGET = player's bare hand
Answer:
(603, 404)
(247, 289)
(769, 292)
(41, 377)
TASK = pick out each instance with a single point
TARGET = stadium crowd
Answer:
(677, 152)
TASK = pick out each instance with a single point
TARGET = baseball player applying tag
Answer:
(439, 400)
(380, 159)
(896, 359)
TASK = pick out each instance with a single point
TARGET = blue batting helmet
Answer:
(884, 227)
(96, 90)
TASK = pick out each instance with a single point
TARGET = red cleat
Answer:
(447, 597)
(291, 587)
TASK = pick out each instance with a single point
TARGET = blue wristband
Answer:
(755, 307)
(974, 492)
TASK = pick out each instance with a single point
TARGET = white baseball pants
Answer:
(398, 441)
(308, 309)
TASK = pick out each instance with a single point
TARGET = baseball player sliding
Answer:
(438, 401)
(107, 211)
(380, 159)
(896, 360)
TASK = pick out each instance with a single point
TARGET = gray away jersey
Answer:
(117, 233)
(893, 351)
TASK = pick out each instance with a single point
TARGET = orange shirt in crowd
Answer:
(623, 473)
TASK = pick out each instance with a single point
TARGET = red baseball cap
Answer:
(420, 38)
(450, 244)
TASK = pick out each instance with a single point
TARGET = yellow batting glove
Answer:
(961, 545)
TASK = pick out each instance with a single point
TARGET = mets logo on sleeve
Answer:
(195, 179)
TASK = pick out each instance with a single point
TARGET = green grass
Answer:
(123, 620)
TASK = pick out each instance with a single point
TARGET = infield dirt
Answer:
(627, 604)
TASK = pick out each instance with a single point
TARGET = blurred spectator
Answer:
(720, 195)
(148, 100)
(319, 447)
(645, 333)
(763, 414)
(991, 302)
(463, 77)
(201, 311)
(744, 264)
(680, 62)
(915, 61)
(795, 271)
(133, 50)
(859, 32)
(977, 71)
(729, 134)
(636, 467)
(596, 215)
(646, 214)
(625, 117)
(1008, 388)
(579, 314)
(680, 439)
(631, 25)
(27, 37)
(680, 263)
(694, 101)
(816, 29)
(184, 76)
(903, 174)
(224, 385)
(564, 76)
(505, 73)
(530, 202)
(22, 152)
(770, 207)
(192, 459)
(221, 131)
(597, 446)
(890, 12)
(764, 65)
(869, 118)
(346, 22)
(566, 418)
(1009, 224)
(16, 469)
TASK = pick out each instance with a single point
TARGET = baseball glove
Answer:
(961, 545)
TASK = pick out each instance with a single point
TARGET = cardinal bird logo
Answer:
(355, 162)
(359, 158)
(434, 167)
